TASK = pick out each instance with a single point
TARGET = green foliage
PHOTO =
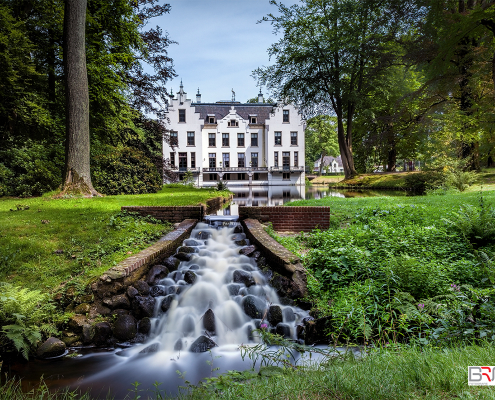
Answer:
(221, 185)
(321, 138)
(125, 171)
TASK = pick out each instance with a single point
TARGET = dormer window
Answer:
(253, 119)
(211, 120)
(233, 123)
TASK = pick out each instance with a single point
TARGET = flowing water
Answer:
(228, 299)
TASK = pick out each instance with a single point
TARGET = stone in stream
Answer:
(117, 301)
(88, 334)
(238, 229)
(158, 291)
(103, 331)
(194, 267)
(253, 306)
(244, 277)
(192, 242)
(202, 344)
(201, 235)
(190, 277)
(233, 288)
(167, 302)
(125, 327)
(144, 326)
(209, 320)
(143, 306)
(183, 256)
(52, 347)
(156, 273)
(152, 348)
(315, 331)
(142, 287)
(178, 345)
(248, 250)
(288, 314)
(241, 242)
(283, 330)
(274, 315)
(187, 249)
(171, 263)
(132, 292)
(176, 276)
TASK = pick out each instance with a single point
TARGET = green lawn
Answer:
(86, 233)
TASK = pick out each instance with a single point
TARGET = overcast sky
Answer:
(219, 45)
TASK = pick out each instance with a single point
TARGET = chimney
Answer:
(198, 97)
(260, 97)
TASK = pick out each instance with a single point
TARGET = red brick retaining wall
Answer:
(289, 219)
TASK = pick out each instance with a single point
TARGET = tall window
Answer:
(212, 157)
(182, 161)
(296, 159)
(211, 140)
(240, 160)
(254, 160)
(225, 139)
(285, 116)
(278, 138)
(172, 159)
(275, 159)
(174, 140)
(293, 138)
(182, 115)
(193, 160)
(226, 160)
(254, 140)
(240, 139)
(190, 138)
(286, 159)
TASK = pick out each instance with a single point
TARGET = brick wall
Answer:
(289, 219)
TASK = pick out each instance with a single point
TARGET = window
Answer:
(211, 120)
(293, 138)
(275, 159)
(241, 177)
(211, 140)
(252, 120)
(286, 160)
(240, 160)
(278, 138)
(190, 138)
(233, 123)
(254, 140)
(174, 140)
(225, 139)
(182, 115)
(240, 140)
(254, 160)
(296, 159)
(193, 160)
(226, 177)
(286, 176)
(182, 161)
(172, 159)
(256, 176)
(226, 160)
(285, 116)
(213, 177)
(212, 158)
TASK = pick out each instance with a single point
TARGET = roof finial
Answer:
(233, 95)
(171, 92)
(198, 90)
(181, 85)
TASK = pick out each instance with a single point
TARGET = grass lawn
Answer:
(325, 180)
(46, 243)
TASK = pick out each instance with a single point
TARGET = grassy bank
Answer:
(327, 180)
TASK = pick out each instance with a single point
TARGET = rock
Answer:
(144, 326)
(256, 255)
(283, 330)
(132, 292)
(52, 347)
(119, 311)
(202, 235)
(143, 306)
(286, 287)
(247, 267)
(288, 314)
(194, 267)
(69, 340)
(183, 256)
(156, 273)
(244, 277)
(315, 331)
(192, 242)
(178, 345)
(176, 276)
(253, 306)
(248, 250)
(167, 302)
(158, 291)
(142, 287)
(209, 320)
(77, 322)
(241, 242)
(117, 301)
(103, 332)
(125, 327)
(186, 249)
(152, 348)
(233, 288)
(82, 308)
(190, 277)
(307, 319)
(202, 344)
(274, 316)
(238, 229)
(171, 263)
(300, 331)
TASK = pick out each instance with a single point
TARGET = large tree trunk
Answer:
(344, 145)
(77, 178)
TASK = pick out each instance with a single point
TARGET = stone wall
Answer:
(289, 219)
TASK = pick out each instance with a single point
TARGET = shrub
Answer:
(125, 171)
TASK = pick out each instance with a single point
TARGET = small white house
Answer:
(330, 164)
(240, 143)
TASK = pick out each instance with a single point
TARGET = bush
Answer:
(125, 171)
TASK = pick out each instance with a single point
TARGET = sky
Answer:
(219, 45)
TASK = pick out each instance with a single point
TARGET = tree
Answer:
(330, 54)
(77, 146)
(321, 139)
